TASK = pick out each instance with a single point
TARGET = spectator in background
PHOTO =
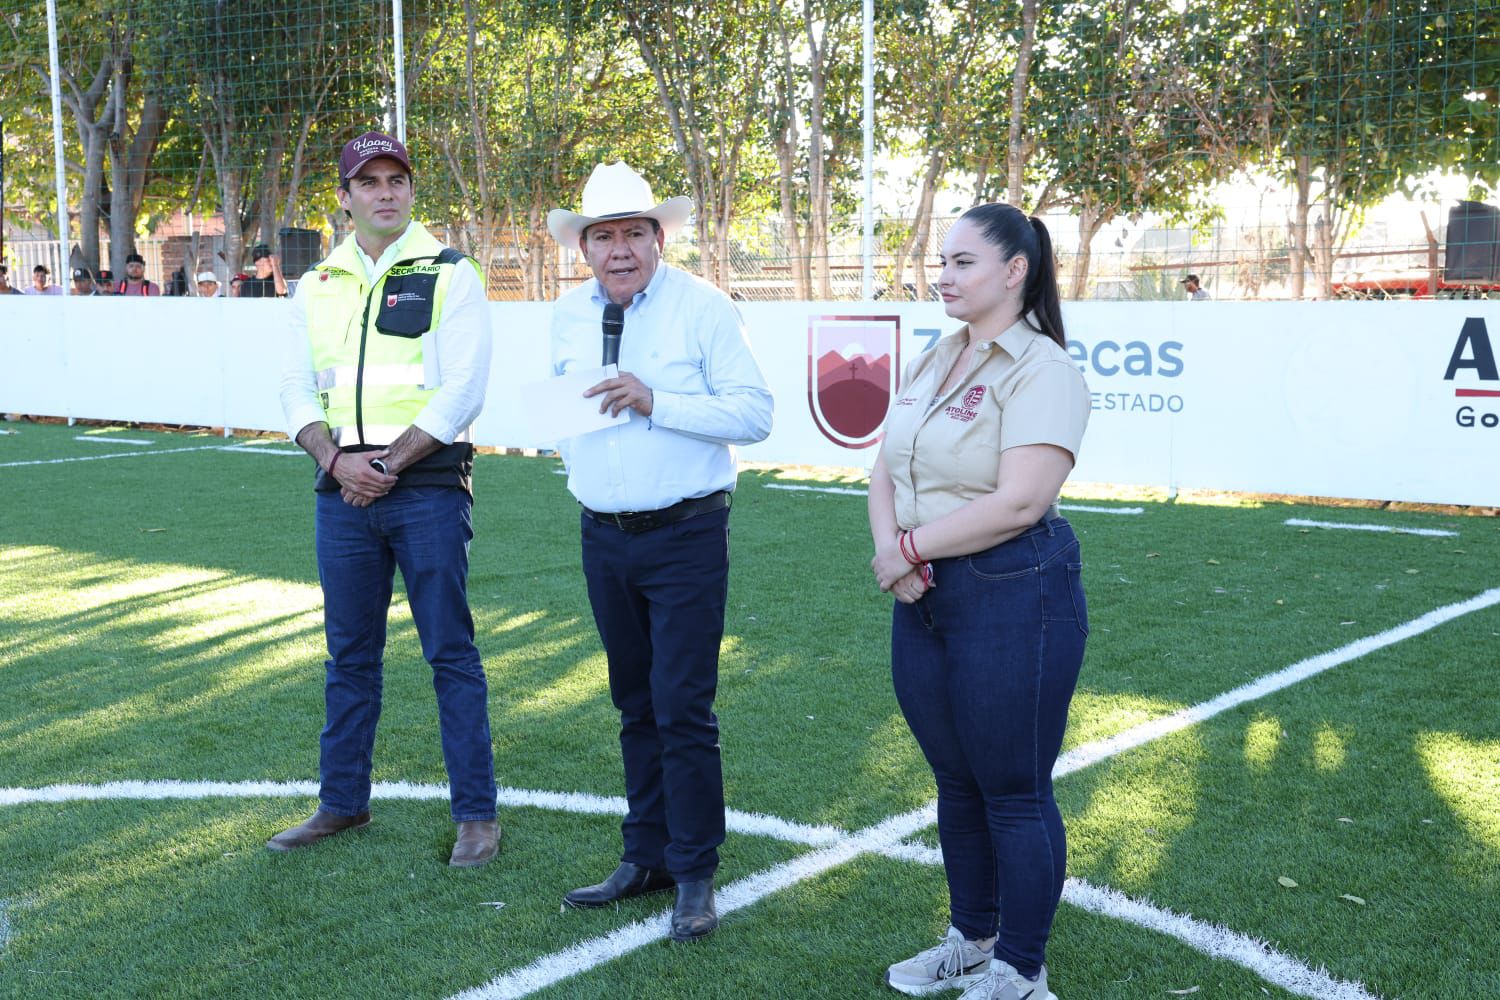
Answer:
(236, 283)
(208, 285)
(104, 282)
(135, 282)
(268, 282)
(1196, 292)
(41, 283)
(83, 281)
(6, 288)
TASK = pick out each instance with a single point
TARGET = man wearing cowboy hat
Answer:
(387, 360)
(655, 524)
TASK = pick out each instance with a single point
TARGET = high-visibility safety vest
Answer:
(367, 341)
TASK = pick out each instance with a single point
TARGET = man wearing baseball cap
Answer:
(135, 282)
(268, 281)
(388, 354)
(83, 281)
(208, 285)
(1196, 292)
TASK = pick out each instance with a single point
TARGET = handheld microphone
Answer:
(614, 327)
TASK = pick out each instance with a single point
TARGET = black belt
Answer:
(635, 522)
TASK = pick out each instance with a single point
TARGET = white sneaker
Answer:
(1003, 982)
(952, 965)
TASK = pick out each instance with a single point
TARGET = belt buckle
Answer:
(619, 520)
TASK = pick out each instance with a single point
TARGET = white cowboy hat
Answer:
(614, 191)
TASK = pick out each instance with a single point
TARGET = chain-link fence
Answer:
(1256, 143)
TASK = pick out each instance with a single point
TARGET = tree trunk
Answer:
(785, 140)
(1433, 269)
(914, 248)
(1090, 220)
(819, 204)
(129, 166)
(1017, 150)
(1297, 254)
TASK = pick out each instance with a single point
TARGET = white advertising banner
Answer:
(1380, 400)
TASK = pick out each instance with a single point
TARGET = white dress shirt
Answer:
(455, 354)
(685, 340)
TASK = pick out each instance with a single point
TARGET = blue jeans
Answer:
(984, 666)
(658, 600)
(425, 530)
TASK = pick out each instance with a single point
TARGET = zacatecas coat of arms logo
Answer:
(853, 367)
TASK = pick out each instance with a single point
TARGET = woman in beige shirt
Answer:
(988, 629)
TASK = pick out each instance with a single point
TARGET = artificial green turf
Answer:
(160, 618)
(1377, 780)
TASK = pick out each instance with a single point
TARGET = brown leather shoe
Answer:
(478, 841)
(320, 826)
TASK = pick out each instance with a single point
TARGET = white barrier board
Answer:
(1381, 400)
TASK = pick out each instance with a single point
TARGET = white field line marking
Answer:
(1298, 522)
(747, 823)
(104, 440)
(246, 449)
(1091, 753)
(848, 491)
(587, 954)
(121, 454)
(1211, 939)
(844, 490)
(4, 923)
(1216, 942)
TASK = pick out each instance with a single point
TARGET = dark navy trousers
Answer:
(658, 598)
(985, 664)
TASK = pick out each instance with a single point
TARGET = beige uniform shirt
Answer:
(1021, 388)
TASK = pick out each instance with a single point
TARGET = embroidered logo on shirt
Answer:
(960, 413)
(973, 397)
(907, 401)
(390, 301)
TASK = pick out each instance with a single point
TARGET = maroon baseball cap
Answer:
(371, 146)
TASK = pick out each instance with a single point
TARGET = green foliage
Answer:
(1132, 106)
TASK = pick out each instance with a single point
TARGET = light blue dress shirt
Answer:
(685, 340)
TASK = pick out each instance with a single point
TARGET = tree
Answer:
(816, 82)
(709, 61)
(1112, 133)
(938, 57)
(271, 88)
(546, 93)
(111, 89)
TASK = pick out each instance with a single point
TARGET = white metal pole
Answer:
(867, 249)
(57, 149)
(400, 40)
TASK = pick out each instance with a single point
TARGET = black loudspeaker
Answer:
(1473, 243)
(300, 250)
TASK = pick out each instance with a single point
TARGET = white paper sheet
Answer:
(556, 408)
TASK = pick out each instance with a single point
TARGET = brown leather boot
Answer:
(320, 826)
(478, 841)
